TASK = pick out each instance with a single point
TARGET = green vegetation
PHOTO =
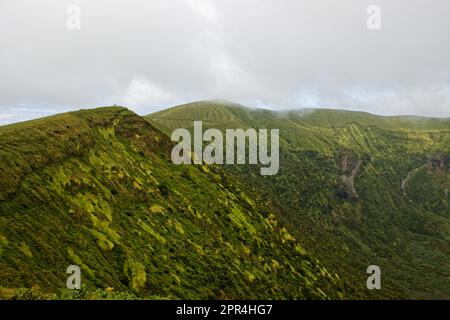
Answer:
(96, 188)
(393, 213)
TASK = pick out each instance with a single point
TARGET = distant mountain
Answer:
(236, 114)
(357, 189)
(96, 188)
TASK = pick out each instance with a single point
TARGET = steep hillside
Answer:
(356, 188)
(96, 188)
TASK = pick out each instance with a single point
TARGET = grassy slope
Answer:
(334, 118)
(407, 236)
(97, 188)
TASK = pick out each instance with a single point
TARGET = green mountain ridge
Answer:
(228, 112)
(355, 188)
(96, 188)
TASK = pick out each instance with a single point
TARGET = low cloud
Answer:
(141, 94)
(149, 55)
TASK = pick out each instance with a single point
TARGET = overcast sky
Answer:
(281, 54)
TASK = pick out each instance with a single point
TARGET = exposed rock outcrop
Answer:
(350, 166)
(437, 161)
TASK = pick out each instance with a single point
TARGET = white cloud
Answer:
(229, 76)
(152, 54)
(6, 118)
(142, 94)
(204, 8)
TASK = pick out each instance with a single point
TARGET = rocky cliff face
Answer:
(350, 166)
(438, 161)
